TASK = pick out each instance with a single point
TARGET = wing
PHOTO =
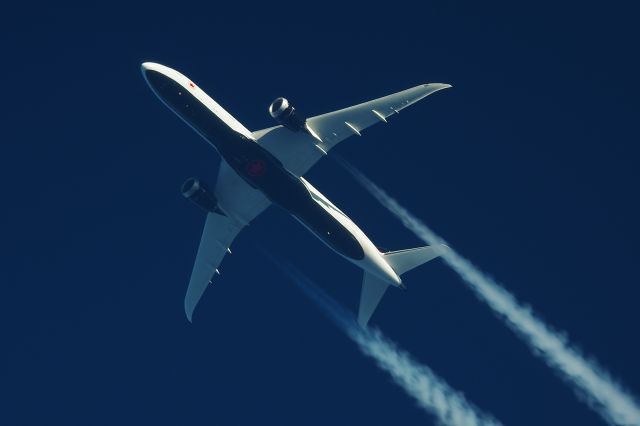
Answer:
(299, 151)
(236, 197)
(219, 232)
(240, 204)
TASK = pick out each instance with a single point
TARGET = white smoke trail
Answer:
(616, 405)
(432, 393)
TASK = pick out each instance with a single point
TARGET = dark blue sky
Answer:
(528, 166)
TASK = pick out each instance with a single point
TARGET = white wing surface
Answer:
(373, 289)
(236, 197)
(219, 232)
(300, 150)
(240, 204)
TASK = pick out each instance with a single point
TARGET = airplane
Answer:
(266, 167)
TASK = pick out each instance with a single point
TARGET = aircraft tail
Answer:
(401, 261)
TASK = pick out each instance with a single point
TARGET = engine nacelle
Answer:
(285, 114)
(199, 194)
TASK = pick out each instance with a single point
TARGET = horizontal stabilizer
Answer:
(404, 260)
(373, 289)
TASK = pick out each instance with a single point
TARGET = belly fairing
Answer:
(258, 167)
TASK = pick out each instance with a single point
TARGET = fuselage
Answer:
(264, 172)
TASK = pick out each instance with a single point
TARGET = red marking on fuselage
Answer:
(191, 84)
(256, 168)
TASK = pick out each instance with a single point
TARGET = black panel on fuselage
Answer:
(258, 167)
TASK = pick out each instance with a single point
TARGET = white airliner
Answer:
(266, 166)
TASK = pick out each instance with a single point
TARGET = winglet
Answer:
(438, 86)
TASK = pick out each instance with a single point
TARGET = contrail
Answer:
(432, 393)
(591, 382)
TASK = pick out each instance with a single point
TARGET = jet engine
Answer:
(285, 114)
(199, 194)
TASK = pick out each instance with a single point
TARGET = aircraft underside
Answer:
(266, 167)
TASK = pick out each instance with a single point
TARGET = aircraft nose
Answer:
(153, 73)
(146, 66)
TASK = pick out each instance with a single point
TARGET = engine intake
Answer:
(199, 194)
(285, 114)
